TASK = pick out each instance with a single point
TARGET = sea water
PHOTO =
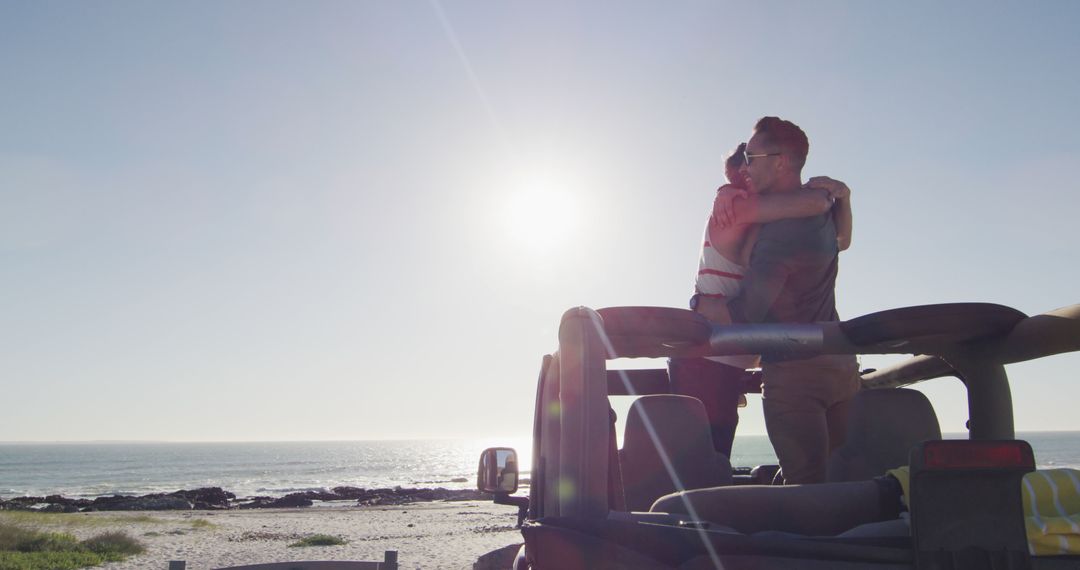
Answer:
(88, 470)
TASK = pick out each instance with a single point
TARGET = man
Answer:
(791, 278)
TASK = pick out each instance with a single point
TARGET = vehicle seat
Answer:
(679, 426)
(883, 425)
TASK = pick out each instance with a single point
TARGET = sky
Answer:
(277, 220)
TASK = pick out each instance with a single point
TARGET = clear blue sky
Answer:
(334, 220)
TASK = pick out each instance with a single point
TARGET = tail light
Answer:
(968, 454)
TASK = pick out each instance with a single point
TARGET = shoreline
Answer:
(433, 534)
(218, 499)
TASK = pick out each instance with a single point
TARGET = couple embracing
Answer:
(769, 255)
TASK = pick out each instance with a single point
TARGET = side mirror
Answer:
(498, 471)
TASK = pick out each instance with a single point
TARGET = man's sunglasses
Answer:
(748, 158)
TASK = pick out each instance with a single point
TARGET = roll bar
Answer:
(1053, 332)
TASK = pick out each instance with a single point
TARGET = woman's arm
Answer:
(843, 219)
(841, 209)
(714, 309)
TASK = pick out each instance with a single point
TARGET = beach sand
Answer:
(426, 535)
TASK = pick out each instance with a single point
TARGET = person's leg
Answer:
(800, 438)
(843, 381)
(795, 420)
(836, 420)
(723, 435)
(717, 386)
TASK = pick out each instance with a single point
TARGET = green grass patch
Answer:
(201, 523)
(73, 520)
(29, 549)
(87, 521)
(113, 543)
(52, 560)
(14, 538)
(124, 519)
(319, 540)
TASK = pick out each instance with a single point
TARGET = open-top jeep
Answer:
(589, 502)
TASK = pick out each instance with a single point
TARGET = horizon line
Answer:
(388, 439)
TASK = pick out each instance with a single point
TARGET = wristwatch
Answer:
(694, 301)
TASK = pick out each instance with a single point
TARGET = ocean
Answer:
(88, 470)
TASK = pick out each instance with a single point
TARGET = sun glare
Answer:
(541, 216)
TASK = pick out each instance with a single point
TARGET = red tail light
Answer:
(963, 454)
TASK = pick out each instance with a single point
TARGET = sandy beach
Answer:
(426, 535)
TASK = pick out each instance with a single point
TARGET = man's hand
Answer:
(723, 215)
(837, 190)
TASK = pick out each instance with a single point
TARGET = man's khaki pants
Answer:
(806, 407)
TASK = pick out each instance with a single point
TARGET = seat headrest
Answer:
(679, 426)
(883, 426)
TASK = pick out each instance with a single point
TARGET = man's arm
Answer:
(730, 208)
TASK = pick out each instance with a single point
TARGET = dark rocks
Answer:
(349, 493)
(70, 505)
(322, 495)
(215, 498)
(154, 502)
(292, 500)
(207, 498)
(467, 495)
(20, 503)
(59, 508)
(401, 496)
(258, 502)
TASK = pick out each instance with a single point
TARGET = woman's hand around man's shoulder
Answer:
(723, 215)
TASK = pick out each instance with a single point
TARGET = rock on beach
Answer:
(216, 498)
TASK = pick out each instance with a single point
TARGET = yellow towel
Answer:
(1051, 509)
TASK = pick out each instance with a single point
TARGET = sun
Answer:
(541, 216)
